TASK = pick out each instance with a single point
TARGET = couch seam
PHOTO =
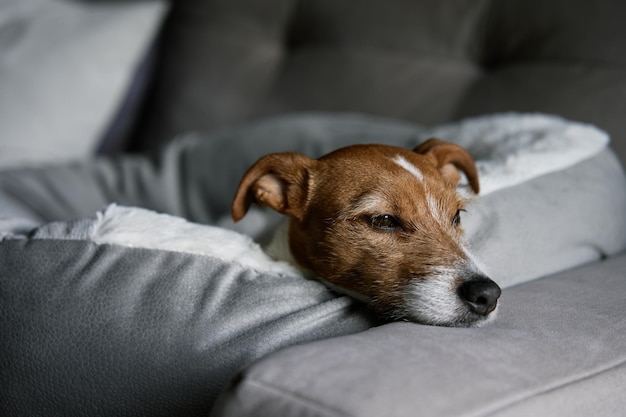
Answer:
(555, 387)
(293, 397)
(328, 411)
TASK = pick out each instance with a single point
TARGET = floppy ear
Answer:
(279, 181)
(449, 159)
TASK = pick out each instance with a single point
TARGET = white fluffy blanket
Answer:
(141, 228)
(512, 148)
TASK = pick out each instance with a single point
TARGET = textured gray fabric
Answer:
(267, 57)
(227, 61)
(544, 55)
(114, 331)
(550, 223)
(558, 348)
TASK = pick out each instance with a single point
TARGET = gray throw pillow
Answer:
(66, 67)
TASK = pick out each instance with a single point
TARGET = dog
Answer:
(379, 223)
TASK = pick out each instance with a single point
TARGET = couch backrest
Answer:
(427, 61)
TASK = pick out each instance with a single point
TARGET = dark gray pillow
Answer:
(107, 330)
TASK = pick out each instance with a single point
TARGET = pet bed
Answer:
(133, 304)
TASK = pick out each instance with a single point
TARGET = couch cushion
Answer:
(422, 61)
(557, 348)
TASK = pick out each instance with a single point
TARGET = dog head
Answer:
(381, 223)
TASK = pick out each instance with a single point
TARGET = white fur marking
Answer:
(434, 209)
(434, 301)
(409, 167)
(370, 203)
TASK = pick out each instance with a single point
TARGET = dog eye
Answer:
(385, 222)
(456, 220)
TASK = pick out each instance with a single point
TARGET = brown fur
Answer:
(334, 204)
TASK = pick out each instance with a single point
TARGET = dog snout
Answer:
(481, 294)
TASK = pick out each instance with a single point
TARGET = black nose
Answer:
(481, 295)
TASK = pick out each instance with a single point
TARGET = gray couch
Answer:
(95, 328)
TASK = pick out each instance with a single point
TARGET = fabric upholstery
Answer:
(106, 330)
(557, 349)
(426, 61)
(550, 223)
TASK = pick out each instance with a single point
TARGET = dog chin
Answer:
(464, 318)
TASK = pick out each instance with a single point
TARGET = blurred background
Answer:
(85, 78)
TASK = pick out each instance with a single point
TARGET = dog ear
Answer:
(279, 181)
(449, 159)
